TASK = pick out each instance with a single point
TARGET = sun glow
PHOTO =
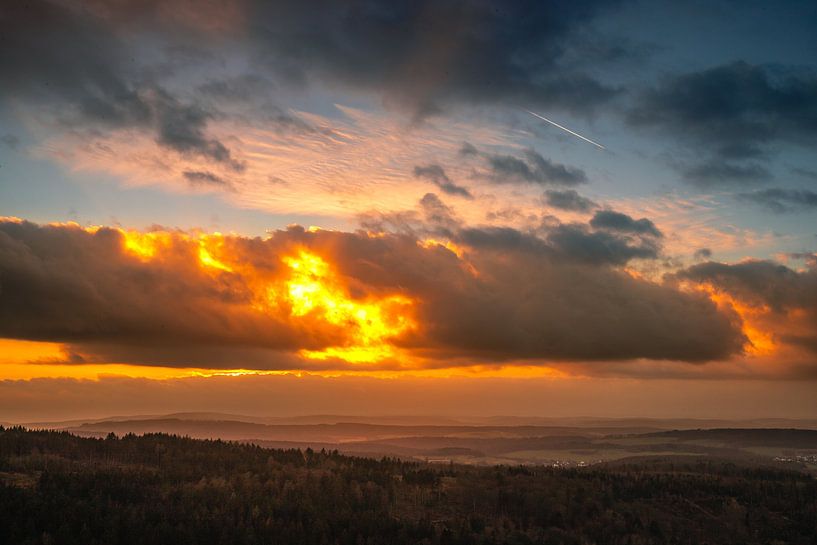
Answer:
(455, 249)
(760, 341)
(314, 290)
(209, 244)
(145, 246)
(447, 244)
(309, 290)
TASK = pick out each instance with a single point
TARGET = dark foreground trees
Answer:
(62, 489)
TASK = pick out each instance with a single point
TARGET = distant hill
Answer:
(789, 438)
(337, 432)
(643, 424)
(524, 444)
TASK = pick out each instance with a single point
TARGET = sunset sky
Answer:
(347, 207)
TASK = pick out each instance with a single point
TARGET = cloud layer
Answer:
(502, 295)
(74, 63)
(427, 55)
(737, 113)
(784, 299)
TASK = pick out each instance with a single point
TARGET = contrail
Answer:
(565, 129)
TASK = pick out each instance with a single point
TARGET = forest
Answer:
(58, 488)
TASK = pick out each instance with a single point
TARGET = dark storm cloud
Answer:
(516, 297)
(736, 107)
(736, 112)
(504, 239)
(790, 295)
(468, 149)
(436, 175)
(702, 253)
(536, 169)
(426, 54)
(615, 239)
(616, 221)
(65, 284)
(48, 50)
(601, 247)
(438, 214)
(204, 178)
(542, 303)
(782, 200)
(568, 199)
(525, 280)
(718, 171)
(65, 58)
(764, 282)
(610, 238)
(181, 128)
(531, 169)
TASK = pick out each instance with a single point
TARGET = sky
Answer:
(355, 207)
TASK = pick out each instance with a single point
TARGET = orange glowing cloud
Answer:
(759, 340)
(325, 301)
(308, 290)
(773, 305)
(313, 289)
